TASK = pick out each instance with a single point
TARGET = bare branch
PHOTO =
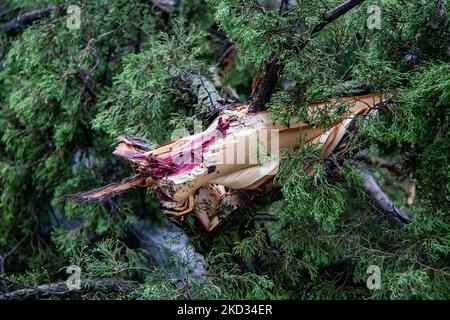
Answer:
(10, 252)
(25, 19)
(397, 168)
(5, 256)
(263, 90)
(89, 86)
(386, 205)
(336, 13)
(166, 6)
(88, 285)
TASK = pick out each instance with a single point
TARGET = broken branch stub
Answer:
(240, 150)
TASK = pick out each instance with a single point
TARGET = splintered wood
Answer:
(238, 151)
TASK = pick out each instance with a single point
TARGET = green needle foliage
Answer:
(66, 94)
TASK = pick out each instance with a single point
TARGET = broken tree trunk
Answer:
(240, 150)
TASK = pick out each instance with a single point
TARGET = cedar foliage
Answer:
(65, 95)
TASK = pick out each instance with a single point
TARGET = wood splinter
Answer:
(240, 150)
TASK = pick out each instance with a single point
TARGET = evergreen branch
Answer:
(264, 86)
(26, 19)
(106, 285)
